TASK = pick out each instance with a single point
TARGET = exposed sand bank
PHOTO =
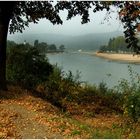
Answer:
(120, 57)
(130, 58)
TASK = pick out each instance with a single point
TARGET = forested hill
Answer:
(84, 42)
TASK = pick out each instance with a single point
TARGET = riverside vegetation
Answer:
(93, 111)
(116, 45)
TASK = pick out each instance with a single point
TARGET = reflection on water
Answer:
(93, 69)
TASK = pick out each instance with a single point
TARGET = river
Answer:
(94, 70)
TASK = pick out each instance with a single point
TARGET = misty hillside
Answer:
(84, 42)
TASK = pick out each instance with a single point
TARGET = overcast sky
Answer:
(74, 26)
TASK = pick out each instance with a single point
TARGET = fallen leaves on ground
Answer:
(43, 120)
(7, 127)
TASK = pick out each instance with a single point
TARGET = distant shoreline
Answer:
(129, 58)
(54, 52)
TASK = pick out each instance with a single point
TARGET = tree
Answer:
(52, 47)
(9, 45)
(36, 42)
(5, 16)
(13, 12)
(130, 15)
(116, 45)
(42, 47)
(62, 48)
(27, 67)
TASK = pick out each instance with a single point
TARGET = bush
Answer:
(101, 95)
(60, 86)
(132, 106)
(26, 66)
(131, 95)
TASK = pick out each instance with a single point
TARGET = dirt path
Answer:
(34, 118)
(20, 115)
(24, 121)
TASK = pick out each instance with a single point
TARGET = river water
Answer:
(94, 70)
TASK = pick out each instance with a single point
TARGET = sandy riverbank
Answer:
(130, 58)
(120, 57)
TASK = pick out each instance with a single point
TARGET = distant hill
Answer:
(84, 42)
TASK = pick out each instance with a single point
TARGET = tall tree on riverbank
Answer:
(13, 12)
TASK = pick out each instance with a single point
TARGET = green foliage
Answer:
(61, 48)
(10, 44)
(76, 132)
(103, 87)
(131, 95)
(52, 47)
(62, 87)
(32, 11)
(117, 44)
(59, 86)
(26, 66)
(44, 48)
(36, 42)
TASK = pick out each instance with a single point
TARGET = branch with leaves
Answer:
(129, 13)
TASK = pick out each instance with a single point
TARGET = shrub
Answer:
(132, 106)
(26, 66)
(131, 95)
(100, 96)
(103, 88)
(60, 86)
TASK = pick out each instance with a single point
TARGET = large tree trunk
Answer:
(3, 39)
(6, 10)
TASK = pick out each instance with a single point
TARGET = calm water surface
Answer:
(93, 69)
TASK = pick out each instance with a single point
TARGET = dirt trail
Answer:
(33, 123)
(26, 127)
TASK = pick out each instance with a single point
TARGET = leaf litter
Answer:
(24, 116)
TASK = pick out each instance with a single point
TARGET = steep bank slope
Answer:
(25, 116)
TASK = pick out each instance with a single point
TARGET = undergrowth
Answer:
(27, 67)
(131, 94)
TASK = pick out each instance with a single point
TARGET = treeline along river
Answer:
(94, 70)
